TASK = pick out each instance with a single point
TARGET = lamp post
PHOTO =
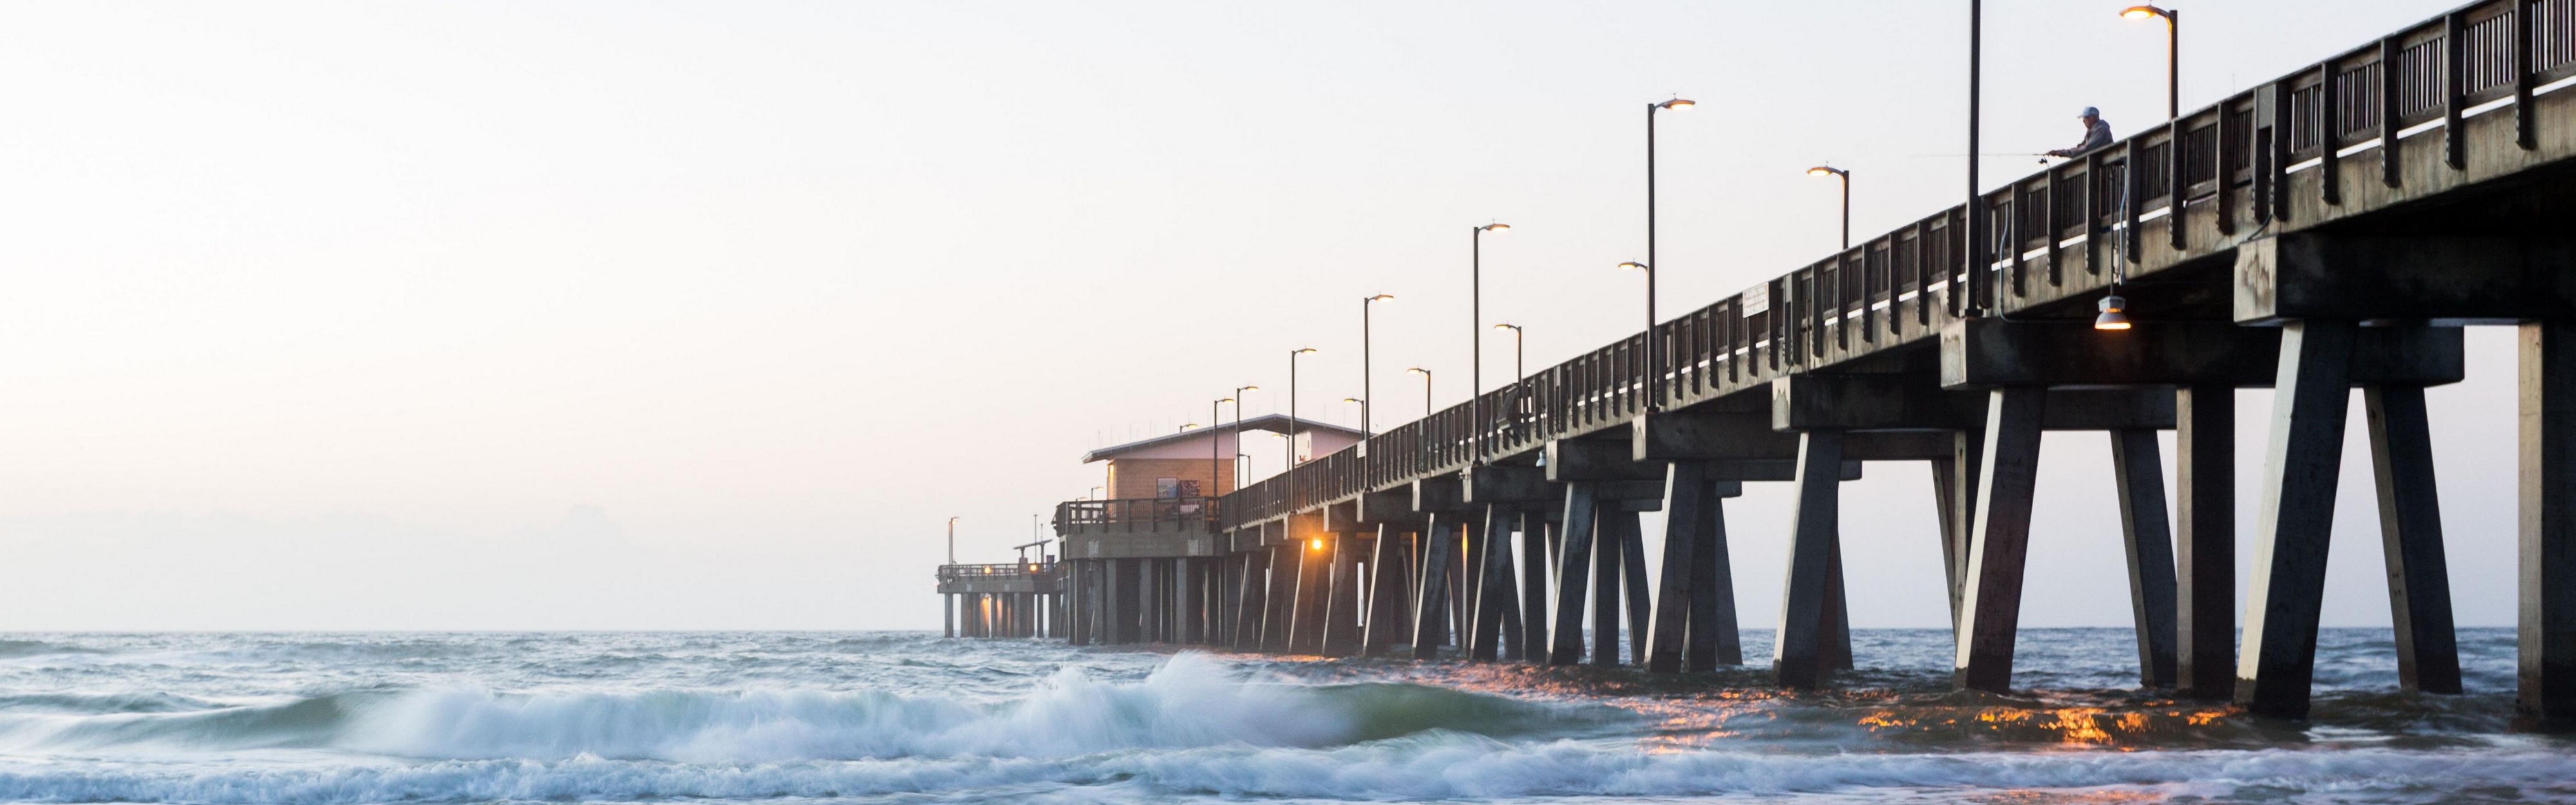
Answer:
(1829, 170)
(1972, 263)
(1426, 389)
(952, 540)
(1476, 332)
(1216, 464)
(1291, 471)
(1649, 268)
(1654, 373)
(1238, 432)
(1366, 302)
(2173, 53)
(1518, 374)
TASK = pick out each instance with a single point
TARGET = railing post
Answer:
(2455, 88)
(2329, 131)
(2177, 181)
(2272, 179)
(2230, 143)
(2132, 194)
(2020, 241)
(2525, 76)
(2391, 68)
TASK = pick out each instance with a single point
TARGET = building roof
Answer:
(1275, 423)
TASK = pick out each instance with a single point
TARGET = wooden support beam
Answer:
(1341, 603)
(1386, 598)
(1505, 483)
(1685, 526)
(1442, 493)
(2410, 531)
(2205, 541)
(1991, 353)
(2300, 467)
(1151, 580)
(2545, 621)
(2360, 277)
(1503, 588)
(1597, 460)
(2147, 542)
(1917, 401)
(1632, 574)
(1836, 650)
(1945, 497)
(1314, 594)
(1431, 594)
(1278, 627)
(1573, 566)
(1712, 640)
(1534, 575)
(1798, 655)
(1253, 598)
(1489, 552)
(1609, 530)
(1990, 606)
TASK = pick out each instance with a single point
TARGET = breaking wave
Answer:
(1432, 765)
(1191, 702)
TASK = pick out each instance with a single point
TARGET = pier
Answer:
(2328, 231)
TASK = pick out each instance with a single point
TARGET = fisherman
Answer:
(2097, 134)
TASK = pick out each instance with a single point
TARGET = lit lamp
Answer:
(2173, 52)
(1652, 381)
(1475, 333)
(1365, 303)
(1426, 388)
(2115, 314)
(1316, 544)
(1829, 170)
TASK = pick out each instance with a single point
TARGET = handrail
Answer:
(1905, 284)
(1017, 571)
(1137, 514)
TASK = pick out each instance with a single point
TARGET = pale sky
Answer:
(709, 315)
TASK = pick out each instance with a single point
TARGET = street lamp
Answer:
(1216, 464)
(1649, 268)
(1475, 332)
(1829, 170)
(2173, 52)
(1291, 471)
(1973, 262)
(1426, 389)
(1238, 432)
(1518, 374)
(1366, 302)
(1654, 371)
(952, 540)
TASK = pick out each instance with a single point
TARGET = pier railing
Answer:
(2039, 239)
(1017, 571)
(1140, 515)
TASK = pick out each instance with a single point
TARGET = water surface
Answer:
(892, 717)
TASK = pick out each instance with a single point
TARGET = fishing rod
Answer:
(2043, 156)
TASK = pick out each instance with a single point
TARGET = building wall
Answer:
(1131, 478)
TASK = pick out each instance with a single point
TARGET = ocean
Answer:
(908, 717)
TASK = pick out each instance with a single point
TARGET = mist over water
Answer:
(909, 717)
